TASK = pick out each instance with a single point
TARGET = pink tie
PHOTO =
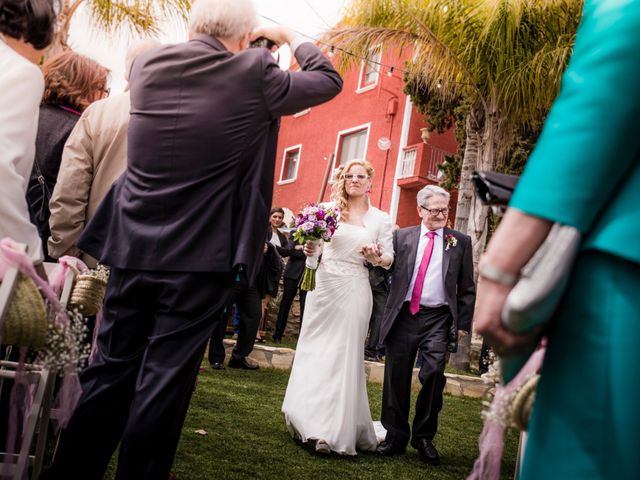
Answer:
(414, 306)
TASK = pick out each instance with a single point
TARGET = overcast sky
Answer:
(305, 16)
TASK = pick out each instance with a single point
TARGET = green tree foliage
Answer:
(134, 16)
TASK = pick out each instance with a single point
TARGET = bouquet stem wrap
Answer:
(308, 279)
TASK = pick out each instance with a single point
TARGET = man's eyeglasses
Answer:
(434, 212)
(355, 176)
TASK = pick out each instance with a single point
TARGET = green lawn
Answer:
(247, 438)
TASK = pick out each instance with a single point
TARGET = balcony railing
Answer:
(421, 161)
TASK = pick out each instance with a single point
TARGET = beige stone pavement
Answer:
(282, 358)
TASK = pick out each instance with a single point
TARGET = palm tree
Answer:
(502, 58)
(139, 16)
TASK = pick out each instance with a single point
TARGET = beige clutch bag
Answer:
(533, 300)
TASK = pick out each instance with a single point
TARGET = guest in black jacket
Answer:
(279, 241)
(292, 274)
(275, 236)
(71, 83)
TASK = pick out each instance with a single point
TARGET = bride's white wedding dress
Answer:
(326, 397)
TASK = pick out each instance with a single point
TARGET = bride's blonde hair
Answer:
(339, 191)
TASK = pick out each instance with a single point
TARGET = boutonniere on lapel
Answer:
(451, 240)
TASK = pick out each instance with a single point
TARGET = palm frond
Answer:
(140, 16)
(508, 54)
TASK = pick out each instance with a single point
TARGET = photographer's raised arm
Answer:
(277, 34)
(289, 92)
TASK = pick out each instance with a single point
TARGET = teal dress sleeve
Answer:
(587, 156)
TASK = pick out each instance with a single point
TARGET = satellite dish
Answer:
(384, 143)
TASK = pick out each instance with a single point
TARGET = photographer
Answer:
(181, 226)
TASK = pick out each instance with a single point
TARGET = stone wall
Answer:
(293, 324)
(282, 358)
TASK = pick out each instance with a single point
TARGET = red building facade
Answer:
(373, 119)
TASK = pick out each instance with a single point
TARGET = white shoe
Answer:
(322, 447)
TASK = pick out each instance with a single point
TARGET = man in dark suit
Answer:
(292, 274)
(430, 305)
(184, 222)
(379, 281)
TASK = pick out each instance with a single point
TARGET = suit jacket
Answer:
(202, 141)
(54, 127)
(94, 156)
(21, 87)
(296, 262)
(283, 249)
(268, 276)
(457, 272)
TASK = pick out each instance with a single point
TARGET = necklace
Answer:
(70, 110)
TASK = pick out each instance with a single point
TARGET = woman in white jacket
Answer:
(26, 27)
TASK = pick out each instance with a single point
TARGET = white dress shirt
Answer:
(21, 87)
(433, 288)
(275, 240)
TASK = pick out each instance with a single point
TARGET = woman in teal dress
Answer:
(584, 172)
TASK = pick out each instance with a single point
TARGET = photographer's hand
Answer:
(278, 34)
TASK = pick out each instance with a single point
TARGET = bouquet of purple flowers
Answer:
(316, 224)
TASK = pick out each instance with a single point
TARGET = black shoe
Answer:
(389, 449)
(243, 364)
(428, 452)
(277, 341)
(217, 366)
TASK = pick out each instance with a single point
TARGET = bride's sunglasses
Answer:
(355, 176)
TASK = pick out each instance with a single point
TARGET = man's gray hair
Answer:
(135, 49)
(431, 191)
(223, 18)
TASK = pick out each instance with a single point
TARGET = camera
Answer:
(262, 42)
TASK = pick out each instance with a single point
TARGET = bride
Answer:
(326, 398)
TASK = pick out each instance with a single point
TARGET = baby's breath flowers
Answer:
(67, 346)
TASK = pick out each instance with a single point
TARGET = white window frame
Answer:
(342, 133)
(375, 57)
(284, 158)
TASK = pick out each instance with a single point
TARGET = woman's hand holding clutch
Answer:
(513, 244)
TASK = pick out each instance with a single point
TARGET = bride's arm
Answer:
(385, 242)
(381, 253)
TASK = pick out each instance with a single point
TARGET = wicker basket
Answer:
(88, 294)
(522, 403)
(25, 322)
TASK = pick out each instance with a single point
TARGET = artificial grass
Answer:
(247, 439)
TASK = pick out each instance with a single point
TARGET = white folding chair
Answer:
(35, 426)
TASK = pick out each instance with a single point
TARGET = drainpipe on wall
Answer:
(404, 134)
